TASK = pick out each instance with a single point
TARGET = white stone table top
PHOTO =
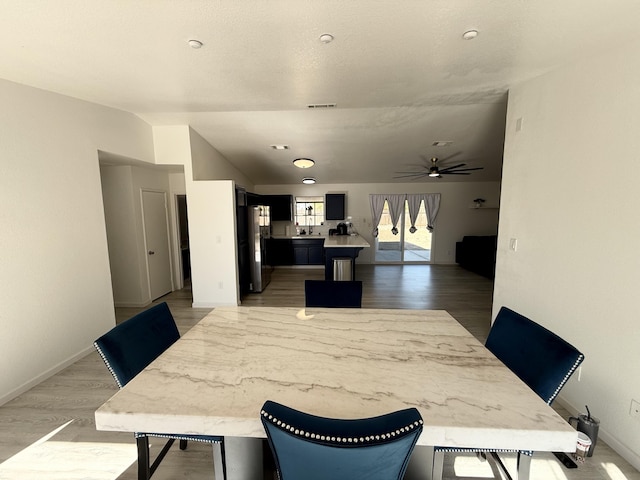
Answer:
(344, 363)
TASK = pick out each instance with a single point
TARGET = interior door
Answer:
(156, 237)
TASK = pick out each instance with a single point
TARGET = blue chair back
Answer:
(309, 447)
(330, 293)
(541, 359)
(132, 345)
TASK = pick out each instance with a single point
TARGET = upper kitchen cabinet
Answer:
(335, 206)
(281, 206)
(254, 199)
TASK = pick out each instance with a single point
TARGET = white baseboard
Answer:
(620, 448)
(43, 376)
(211, 305)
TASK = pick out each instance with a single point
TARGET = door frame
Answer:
(145, 242)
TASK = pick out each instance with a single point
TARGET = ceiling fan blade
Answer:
(408, 174)
(455, 173)
(452, 167)
(466, 169)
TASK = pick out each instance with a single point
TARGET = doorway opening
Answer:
(183, 237)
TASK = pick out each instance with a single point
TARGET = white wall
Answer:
(122, 237)
(570, 183)
(122, 187)
(56, 291)
(455, 218)
(210, 186)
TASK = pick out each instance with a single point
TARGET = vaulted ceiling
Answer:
(399, 72)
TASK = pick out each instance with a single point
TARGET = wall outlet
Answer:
(634, 411)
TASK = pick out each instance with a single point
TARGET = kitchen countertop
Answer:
(332, 241)
(346, 241)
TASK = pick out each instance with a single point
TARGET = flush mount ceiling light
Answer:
(195, 44)
(308, 180)
(304, 162)
(326, 38)
(470, 34)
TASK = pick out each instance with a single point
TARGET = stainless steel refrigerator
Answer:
(259, 231)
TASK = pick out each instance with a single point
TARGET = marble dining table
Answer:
(341, 363)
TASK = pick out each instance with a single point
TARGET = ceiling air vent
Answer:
(321, 105)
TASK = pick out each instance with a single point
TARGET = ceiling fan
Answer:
(436, 172)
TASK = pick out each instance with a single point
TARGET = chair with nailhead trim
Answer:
(310, 447)
(539, 357)
(126, 350)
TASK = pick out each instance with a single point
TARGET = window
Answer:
(309, 211)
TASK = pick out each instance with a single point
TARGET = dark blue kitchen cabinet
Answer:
(281, 206)
(334, 206)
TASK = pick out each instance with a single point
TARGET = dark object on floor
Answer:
(565, 459)
(478, 254)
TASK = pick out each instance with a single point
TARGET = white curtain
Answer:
(431, 205)
(414, 200)
(377, 205)
(396, 205)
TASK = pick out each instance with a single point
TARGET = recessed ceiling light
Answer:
(308, 180)
(470, 34)
(442, 143)
(195, 44)
(280, 147)
(304, 162)
(326, 38)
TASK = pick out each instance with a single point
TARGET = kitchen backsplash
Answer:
(280, 228)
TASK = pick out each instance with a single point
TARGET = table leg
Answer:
(524, 466)
(420, 464)
(243, 459)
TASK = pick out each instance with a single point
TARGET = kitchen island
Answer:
(342, 246)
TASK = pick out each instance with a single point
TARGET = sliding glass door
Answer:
(403, 247)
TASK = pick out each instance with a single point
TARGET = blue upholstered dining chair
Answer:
(126, 350)
(329, 293)
(308, 447)
(539, 357)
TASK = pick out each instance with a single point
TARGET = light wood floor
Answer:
(49, 432)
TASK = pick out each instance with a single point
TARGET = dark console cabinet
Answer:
(478, 254)
(281, 206)
(334, 206)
